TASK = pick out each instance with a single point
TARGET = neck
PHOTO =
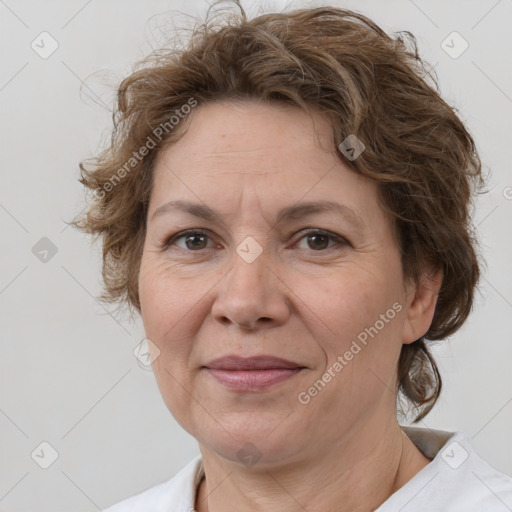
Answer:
(358, 475)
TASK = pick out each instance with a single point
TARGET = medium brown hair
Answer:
(367, 83)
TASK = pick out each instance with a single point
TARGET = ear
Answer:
(420, 305)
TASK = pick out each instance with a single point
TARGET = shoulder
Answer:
(177, 493)
(457, 478)
(469, 481)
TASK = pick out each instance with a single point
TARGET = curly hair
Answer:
(342, 65)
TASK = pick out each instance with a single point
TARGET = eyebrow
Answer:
(293, 212)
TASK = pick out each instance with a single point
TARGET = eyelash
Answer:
(189, 232)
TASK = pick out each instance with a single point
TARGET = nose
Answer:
(251, 296)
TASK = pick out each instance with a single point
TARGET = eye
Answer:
(318, 240)
(193, 240)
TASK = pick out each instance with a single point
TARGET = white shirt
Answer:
(456, 480)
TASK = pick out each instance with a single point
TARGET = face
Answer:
(319, 287)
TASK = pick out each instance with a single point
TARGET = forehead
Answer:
(251, 132)
(263, 155)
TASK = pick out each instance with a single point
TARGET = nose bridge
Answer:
(251, 291)
(249, 265)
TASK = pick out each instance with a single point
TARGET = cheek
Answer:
(360, 347)
(348, 303)
(357, 317)
(165, 302)
(164, 298)
(173, 309)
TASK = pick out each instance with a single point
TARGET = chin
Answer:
(257, 440)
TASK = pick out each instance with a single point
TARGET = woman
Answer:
(286, 358)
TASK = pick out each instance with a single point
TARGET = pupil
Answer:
(319, 236)
(193, 244)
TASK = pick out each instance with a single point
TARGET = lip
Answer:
(263, 362)
(252, 373)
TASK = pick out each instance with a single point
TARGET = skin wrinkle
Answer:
(346, 441)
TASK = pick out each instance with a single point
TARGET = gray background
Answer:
(68, 375)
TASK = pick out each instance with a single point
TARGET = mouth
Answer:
(253, 373)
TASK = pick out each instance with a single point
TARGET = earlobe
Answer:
(422, 305)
